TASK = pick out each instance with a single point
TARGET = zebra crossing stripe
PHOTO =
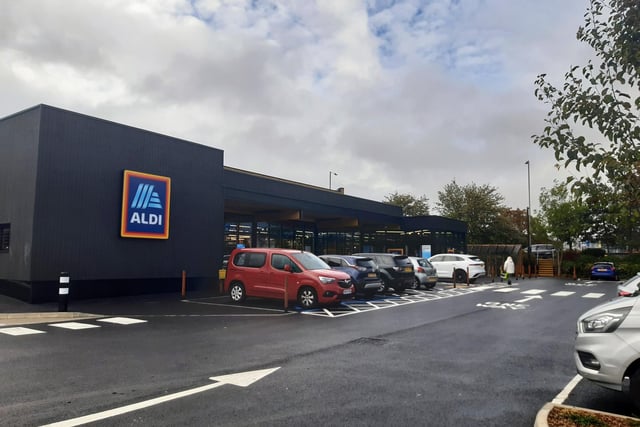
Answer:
(593, 295)
(74, 325)
(562, 294)
(19, 330)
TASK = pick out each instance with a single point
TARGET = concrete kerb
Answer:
(543, 414)
(12, 319)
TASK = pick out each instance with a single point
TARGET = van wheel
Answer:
(461, 276)
(415, 284)
(236, 292)
(307, 297)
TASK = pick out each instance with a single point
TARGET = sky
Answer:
(374, 96)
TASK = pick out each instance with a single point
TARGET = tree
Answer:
(602, 97)
(411, 205)
(565, 215)
(479, 206)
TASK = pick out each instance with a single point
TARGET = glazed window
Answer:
(5, 235)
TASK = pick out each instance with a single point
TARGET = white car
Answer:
(607, 346)
(457, 266)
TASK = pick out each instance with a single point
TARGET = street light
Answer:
(331, 173)
(529, 213)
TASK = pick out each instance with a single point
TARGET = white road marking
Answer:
(242, 379)
(562, 396)
(534, 291)
(593, 295)
(122, 320)
(562, 294)
(19, 330)
(74, 325)
(506, 290)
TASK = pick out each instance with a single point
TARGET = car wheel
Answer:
(416, 283)
(236, 292)
(460, 276)
(307, 297)
(634, 388)
(384, 287)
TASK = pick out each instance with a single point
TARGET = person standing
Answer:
(509, 269)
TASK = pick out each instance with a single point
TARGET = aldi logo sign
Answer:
(145, 205)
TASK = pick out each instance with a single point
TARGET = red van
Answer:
(261, 272)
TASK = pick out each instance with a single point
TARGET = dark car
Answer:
(396, 271)
(604, 270)
(363, 271)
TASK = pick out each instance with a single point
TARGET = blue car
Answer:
(363, 271)
(604, 270)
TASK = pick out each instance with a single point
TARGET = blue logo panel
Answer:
(145, 205)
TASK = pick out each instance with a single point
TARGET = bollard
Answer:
(63, 291)
(468, 282)
(286, 294)
(184, 283)
(453, 276)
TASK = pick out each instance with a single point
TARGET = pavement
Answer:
(14, 312)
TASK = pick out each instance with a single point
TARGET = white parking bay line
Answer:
(74, 325)
(506, 290)
(20, 331)
(122, 320)
(534, 291)
(593, 295)
(562, 294)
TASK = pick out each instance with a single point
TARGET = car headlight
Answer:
(326, 280)
(605, 322)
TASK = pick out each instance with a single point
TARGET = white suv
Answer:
(607, 346)
(456, 266)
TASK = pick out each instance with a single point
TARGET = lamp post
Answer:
(331, 173)
(529, 214)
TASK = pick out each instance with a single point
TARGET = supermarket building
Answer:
(126, 211)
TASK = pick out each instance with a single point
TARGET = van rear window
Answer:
(250, 259)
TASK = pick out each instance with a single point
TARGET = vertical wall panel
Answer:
(79, 198)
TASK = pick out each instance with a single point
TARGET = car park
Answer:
(424, 273)
(607, 346)
(604, 270)
(458, 267)
(272, 273)
(630, 288)
(396, 271)
(362, 270)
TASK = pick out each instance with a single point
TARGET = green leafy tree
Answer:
(411, 205)
(480, 206)
(565, 215)
(601, 98)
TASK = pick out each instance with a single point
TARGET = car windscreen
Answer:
(402, 260)
(366, 262)
(424, 263)
(310, 261)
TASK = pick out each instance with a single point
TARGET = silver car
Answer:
(425, 273)
(607, 346)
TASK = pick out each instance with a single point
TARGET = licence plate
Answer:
(371, 275)
(408, 269)
(602, 269)
(346, 292)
